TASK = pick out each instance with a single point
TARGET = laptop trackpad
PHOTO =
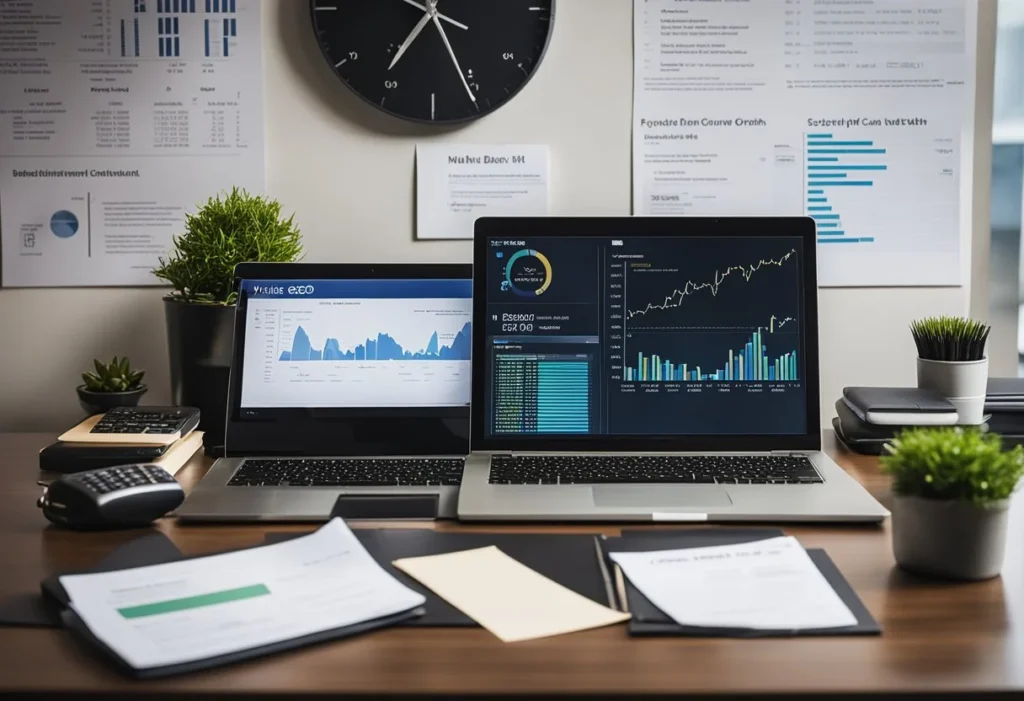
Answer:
(663, 496)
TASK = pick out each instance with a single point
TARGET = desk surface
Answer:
(952, 637)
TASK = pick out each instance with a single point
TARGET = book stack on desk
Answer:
(868, 417)
(83, 447)
(1004, 406)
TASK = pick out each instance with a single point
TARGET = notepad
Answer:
(506, 597)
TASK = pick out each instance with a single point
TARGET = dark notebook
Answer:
(570, 560)
(898, 400)
(648, 620)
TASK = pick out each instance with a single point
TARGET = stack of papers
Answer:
(765, 585)
(192, 610)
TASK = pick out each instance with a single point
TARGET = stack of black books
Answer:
(868, 417)
(1004, 406)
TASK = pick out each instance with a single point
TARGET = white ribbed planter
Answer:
(963, 384)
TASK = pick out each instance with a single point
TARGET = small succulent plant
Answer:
(115, 376)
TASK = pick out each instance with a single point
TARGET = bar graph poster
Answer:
(117, 119)
(860, 116)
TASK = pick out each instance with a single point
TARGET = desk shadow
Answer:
(66, 550)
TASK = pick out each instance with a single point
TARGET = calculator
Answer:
(131, 425)
(129, 496)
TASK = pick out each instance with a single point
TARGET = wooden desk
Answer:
(963, 637)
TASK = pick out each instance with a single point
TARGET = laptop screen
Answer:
(367, 344)
(644, 336)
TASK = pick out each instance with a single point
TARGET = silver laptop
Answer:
(649, 369)
(349, 395)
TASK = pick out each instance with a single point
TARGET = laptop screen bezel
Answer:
(506, 228)
(340, 431)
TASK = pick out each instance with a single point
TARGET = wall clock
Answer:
(441, 61)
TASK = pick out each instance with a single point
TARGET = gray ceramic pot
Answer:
(953, 539)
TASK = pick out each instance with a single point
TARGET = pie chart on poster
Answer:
(64, 224)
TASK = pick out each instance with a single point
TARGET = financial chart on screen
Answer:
(646, 336)
(357, 343)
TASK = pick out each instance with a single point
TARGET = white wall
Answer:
(348, 175)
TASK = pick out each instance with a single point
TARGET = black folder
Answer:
(648, 620)
(78, 627)
(152, 551)
(571, 560)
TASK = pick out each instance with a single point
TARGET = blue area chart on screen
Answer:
(357, 343)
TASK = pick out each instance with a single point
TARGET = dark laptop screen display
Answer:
(656, 336)
(327, 344)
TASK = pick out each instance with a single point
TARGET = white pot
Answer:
(964, 384)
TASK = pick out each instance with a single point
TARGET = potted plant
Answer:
(951, 361)
(110, 385)
(234, 228)
(952, 489)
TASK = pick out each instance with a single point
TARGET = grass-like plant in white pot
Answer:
(952, 489)
(951, 360)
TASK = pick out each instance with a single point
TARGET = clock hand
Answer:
(410, 39)
(444, 38)
(446, 18)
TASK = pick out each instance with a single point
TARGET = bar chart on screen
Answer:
(686, 322)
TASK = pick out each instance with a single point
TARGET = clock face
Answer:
(438, 61)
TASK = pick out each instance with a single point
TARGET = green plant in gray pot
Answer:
(952, 489)
(234, 228)
(109, 385)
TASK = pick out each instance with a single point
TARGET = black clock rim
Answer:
(438, 122)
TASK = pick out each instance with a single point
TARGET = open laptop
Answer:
(349, 395)
(659, 369)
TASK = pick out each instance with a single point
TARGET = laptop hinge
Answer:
(789, 453)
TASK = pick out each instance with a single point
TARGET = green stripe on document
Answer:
(194, 602)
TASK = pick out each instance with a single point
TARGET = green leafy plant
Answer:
(115, 376)
(950, 338)
(953, 463)
(235, 228)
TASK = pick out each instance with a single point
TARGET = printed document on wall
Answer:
(860, 115)
(117, 119)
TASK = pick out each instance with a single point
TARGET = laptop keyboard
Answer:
(687, 469)
(354, 472)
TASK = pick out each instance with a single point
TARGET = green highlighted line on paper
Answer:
(194, 602)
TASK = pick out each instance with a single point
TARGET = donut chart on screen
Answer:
(528, 280)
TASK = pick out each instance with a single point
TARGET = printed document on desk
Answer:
(765, 585)
(860, 115)
(117, 119)
(191, 610)
(457, 184)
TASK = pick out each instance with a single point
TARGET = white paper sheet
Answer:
(117, 118)
(861, 116)
(456, 184)
(768, 585)
(191, 610)
(505, 596)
